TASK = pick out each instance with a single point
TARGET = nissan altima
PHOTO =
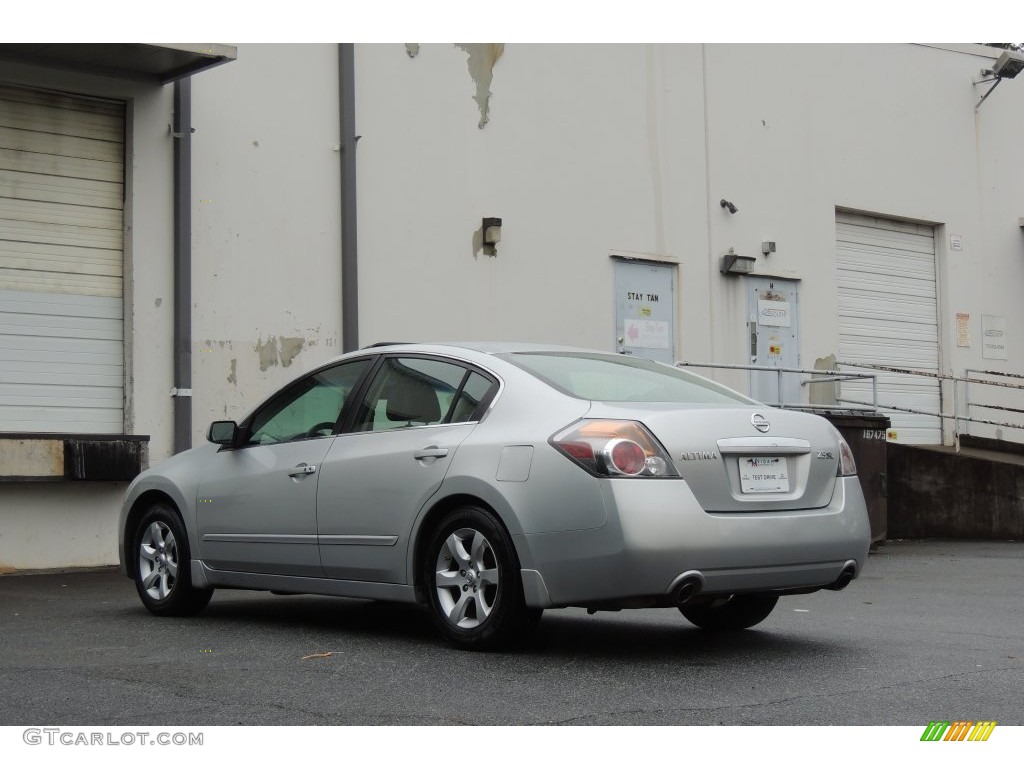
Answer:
(490, 482)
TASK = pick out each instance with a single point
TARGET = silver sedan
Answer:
(491, 481)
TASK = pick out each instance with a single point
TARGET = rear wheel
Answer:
(472, 580)
(731, 613)
(163, 573)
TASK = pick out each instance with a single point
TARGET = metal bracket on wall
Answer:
(180, 392)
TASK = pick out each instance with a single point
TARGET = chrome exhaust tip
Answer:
(848, 574)
(685, 586)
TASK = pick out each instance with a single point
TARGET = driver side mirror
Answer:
(222, 433)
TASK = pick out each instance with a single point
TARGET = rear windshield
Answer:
(617, 378)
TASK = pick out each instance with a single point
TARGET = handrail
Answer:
(828, 376)
(821, 376)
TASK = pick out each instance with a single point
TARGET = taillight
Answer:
(847, 466)
(614, 448)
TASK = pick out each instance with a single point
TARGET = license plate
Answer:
(764, 474)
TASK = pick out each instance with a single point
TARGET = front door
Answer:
(645, 310)
(256, 505)
(773, 330)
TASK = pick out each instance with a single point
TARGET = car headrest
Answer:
(411, 400)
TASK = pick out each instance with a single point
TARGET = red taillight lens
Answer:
(614, 448)
(626, 456)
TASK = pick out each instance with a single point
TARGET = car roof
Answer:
(483, 347)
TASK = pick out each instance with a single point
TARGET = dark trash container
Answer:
(865, 431)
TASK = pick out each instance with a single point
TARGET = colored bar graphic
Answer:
(958, 730)
(935, 730)
(982, 730)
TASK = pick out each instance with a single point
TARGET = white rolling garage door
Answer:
(61, 244)
(888, 316)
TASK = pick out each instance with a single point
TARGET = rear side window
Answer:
(622, 379)
(475, 392)
(413, 392)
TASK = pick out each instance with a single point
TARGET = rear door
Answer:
(384, 469)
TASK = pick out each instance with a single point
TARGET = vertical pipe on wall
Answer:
(182, 133)
(349, 243)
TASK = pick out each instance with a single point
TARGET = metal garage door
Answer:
(887, 316)
(61, 243)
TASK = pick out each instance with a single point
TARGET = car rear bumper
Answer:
(657, 532)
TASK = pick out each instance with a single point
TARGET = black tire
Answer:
(737, 612)
(163, 571)
(474, 590)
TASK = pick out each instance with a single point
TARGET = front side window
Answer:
(414, 392)
(309, 408)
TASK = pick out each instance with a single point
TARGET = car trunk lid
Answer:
(742, 458)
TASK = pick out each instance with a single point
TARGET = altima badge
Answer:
(697, 455)
(760, 422)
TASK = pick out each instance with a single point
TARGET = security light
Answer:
(734, 264)
(491, 231)
(1008, 65)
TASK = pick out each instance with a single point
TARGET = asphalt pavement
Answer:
(933, 630)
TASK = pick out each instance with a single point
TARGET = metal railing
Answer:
(964, 408)
(823, 377)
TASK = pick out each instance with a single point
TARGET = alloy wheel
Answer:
(466, 578)
(158, 560)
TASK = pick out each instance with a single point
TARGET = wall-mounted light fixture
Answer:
(767, 246)
(1007, 66)
(727, 205)
(734, 264)
(492, 231)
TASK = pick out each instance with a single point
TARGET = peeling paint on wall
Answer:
(825, 392)
(277, 350)
(482, 58)
(267, 351)
(412, 49)
(233, 373)
(288, 348)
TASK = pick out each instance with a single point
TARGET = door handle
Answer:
(431, 453)
(302, 469)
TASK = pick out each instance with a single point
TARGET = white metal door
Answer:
(645, 310)
(773, 325)
(885, 271)
(61, 244)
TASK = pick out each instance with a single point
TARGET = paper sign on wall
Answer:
(774, 313)
(993, 335)
(649, 334)
(963, 329)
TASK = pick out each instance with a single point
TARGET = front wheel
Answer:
(163, 576)
(732, 613)
(472, 580)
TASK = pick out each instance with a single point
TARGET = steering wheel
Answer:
(312, 431)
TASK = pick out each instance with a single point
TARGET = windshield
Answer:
(622, 379)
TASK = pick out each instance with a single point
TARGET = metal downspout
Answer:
(349, 243)
(182, 133)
